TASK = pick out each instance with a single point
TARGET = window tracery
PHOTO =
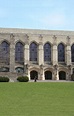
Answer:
(47, 52)
(19, 52)
(61, 53)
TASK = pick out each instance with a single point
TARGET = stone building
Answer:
(46, 54)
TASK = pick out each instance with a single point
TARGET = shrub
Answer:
(23, 79)
(4, 79)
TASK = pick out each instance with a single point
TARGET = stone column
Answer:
(29, 74)
(12, 53)
(56, 72)
(54, 52)
(42, 73)
(40, 54)
(69, 72)
(40, 51)
(68, 52)
(26, 53)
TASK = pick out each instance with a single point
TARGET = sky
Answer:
(37, 14)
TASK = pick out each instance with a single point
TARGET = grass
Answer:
(37, 99)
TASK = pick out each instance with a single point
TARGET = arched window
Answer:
(61, 53)
(19, 70)
(47, 52)
(4, 52)
(4, 69)
(72, 53)
(33, 51)
(19, 52)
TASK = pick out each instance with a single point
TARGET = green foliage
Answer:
(23, 79)
(72, 77)
(4, 79)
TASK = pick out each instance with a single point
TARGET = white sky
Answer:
(37, 14)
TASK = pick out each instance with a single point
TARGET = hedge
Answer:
(23, 79)
(4, 79)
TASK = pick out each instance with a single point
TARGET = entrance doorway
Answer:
(62, 75)
(48, 75)
(33, 75)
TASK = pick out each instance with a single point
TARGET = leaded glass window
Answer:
(19, 52)
(61, 53)
(4, 52)
(33, 51)
(47, 52)
(19, 70)
(72, 53)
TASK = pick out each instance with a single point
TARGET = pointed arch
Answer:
(33, 51)
(4, 52)
(33, 74)
(5, 41)
(48, 75)
(19, 69)
(20, 41)
(72, 53)
(61, 52)
(19, 52)
(62, 75)
(47, 52)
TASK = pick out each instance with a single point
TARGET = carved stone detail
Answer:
(68, 40)
(54, 40)
(26, 39)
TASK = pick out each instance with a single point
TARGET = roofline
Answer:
(36, 31)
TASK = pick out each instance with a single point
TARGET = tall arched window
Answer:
(19, 52)
(72, 53)
(4, 52)
(47, 52)
(33, 51)
(61, 53)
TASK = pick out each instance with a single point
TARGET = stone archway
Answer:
(62, 75)
(33, 74)
(48, 75)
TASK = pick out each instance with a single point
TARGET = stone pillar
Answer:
(40, 51)
(56, 73)
(68, 52)
(29, 74)
(26, 54)
(69, 72)
(40, 54)
(12, 53)
(42, 73)
(54, 52)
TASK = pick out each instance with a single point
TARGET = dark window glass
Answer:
(4, 52)
(47, 52)
(61, 53)
(72, 53)
(33, 52)
(19, 52)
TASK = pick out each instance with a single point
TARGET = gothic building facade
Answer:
(45, 54)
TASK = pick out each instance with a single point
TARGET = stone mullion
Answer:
(68, 55)
(12, 54)
(54, 55)
(26, 54)
(40, 55)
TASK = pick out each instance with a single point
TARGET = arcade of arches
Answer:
(46, 55)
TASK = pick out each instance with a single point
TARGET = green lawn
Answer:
(37, 99)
